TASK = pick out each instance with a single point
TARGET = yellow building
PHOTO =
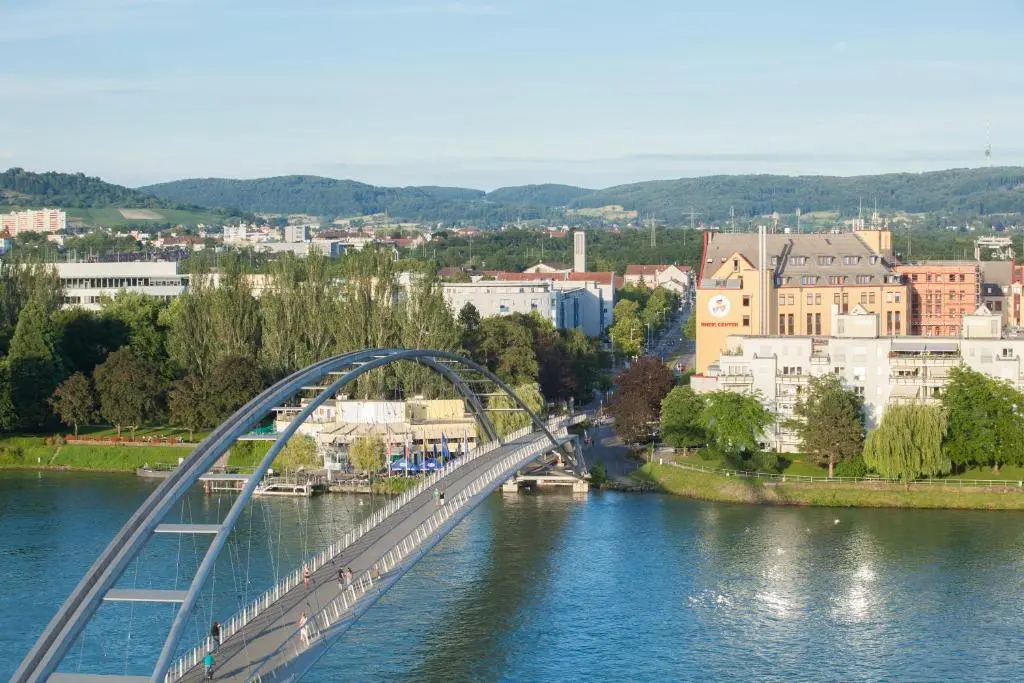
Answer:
(793, 285)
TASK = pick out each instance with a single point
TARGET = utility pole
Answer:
(732, 219)
(692, 217)
(654, 239)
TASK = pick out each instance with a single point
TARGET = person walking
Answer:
(440, 500)
(348, 576)
(305, 575)
(437, 496)
(342, 583)
(303, 634)
(208, 665)
(215, 633)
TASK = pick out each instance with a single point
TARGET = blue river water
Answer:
(613, 587)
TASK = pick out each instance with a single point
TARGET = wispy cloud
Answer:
(410, 9)
(26, 89)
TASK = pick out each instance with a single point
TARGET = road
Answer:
(608, 448)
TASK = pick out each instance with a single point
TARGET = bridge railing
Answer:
(290, 581)
(393, 561)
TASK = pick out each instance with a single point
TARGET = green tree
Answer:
(734, 422)
(637, 401)
(627, 333)
(908, 443)
(140, 314)
(506, 348)
(367, 454)
(299, 453)
(8, 415)
(33, 365)
(85, 338)
(426, 322)
(506, 414)
(130, 389)
(233, 381)
(830, 422)
(659, 307)
(469, 321)
(690, 326)
(189, 401)
(681, 418)
(74, 402)
(986, 420)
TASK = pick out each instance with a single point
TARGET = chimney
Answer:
(579, 251)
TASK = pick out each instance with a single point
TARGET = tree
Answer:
(74, 402)
(130, 389)
(8, 415)
(637, 401)
(506, 414)
(425, 322)
(140, 315)
(85, 338)
(734, 422)
(986, 420)
(189, 401)
(690, 326)
(33, 365)
(299, 453)
(506, 349)
(830, 422)
(908, 443)
(469, 321)
(367, 454)
(681, 418)
(627, 333)
(233, 381)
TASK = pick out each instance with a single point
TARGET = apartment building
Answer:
(941, 294)
(34, 220)
(787, 284)
(883, 370)
(564, 308)
(595, 292)
(672, 277)
(997, 289)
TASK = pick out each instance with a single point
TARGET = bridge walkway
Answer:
(241, 655)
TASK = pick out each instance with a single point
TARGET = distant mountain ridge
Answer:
(19, 187)
(970, 191)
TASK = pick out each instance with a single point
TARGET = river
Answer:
(615, 587)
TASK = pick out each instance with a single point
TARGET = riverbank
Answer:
(720, 488)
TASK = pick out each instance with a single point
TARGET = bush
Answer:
(852, 468)
(598, 474)
(707, 454)
(765, 461)
(12, 455)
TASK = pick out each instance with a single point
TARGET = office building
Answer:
(85, 284)
(786, 284)
(564, 308)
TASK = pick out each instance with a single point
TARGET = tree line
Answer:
(194, 360)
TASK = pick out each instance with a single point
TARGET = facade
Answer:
(296, 233)
(5, 242)
(596, 295)
(579, 251)
(34, 220)
(997, 289)
(413, 426)
(671, 277)
(883, 370)
(786, 285)
(548, 267)
(564, 308)
(85, 284)
(941, 294)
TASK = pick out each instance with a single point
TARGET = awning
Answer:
(903, 391)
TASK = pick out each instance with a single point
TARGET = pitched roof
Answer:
(644, 270)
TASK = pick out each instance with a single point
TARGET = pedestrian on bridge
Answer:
(348, 576)
(437, 497)
(208, 664)
(303, 634)
(440, 499)
(215, 633)
(305, 575)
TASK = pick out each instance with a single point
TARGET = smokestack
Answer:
(579, 251)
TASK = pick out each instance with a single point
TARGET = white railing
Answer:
(194, 656)
(318, 623)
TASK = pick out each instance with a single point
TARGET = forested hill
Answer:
(970, 191)
(19, 187)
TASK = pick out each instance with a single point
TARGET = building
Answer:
(579, 251)
(997, 289)
(564, 308)
(596, 296)
(941, 294)
(6, 242)
(672, 277)
(414, 426)
(85, 284)
(883, 370)
(33, 220)
(548, 267)
(786, 284)
(296, 233)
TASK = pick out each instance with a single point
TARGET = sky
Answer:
(488, 93)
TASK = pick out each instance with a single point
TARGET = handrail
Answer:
(249, 612)
(809, 479)
(333, 611)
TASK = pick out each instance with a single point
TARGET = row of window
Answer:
(939, 277)
(825, 260)
(117, 282)
(843, 298)
(809, 280)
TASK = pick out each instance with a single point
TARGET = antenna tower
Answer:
(654, 238)
(988, 143)
(732, 219)
(798, 219)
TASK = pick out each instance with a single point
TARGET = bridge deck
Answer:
(239, 656)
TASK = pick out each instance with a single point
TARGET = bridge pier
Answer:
(546, 481)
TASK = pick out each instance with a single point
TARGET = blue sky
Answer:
(485, 93)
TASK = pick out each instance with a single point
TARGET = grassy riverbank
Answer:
(22, 452)
(717, 487)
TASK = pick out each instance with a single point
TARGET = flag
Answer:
(445, 453)
(435, 451)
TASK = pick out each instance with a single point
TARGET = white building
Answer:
(564, 308)
(296, 233)
(882, 370)
(86, 283)
(34, 220)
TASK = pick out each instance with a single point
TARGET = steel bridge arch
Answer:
(74, 615)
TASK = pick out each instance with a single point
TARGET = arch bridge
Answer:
(285, 630)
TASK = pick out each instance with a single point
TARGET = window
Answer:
(863, 279)
(952, 277)
(851, 260)
(775, 261)
(735, 265)
(798, 260)
(810, 319)
(808, 280)
(952, 296)
(859, 391)
(782, 323)
(961, 277)
(782, 299)
(863, 297)
(789, 300)
(873, 259)
(835, 299)
(888, 323)
(928, 277)
(825, 260)
(789, 321)
(1007, 353)
(817, 323)
(913, 277)
(503, 306)
(810, 299)
(835, 279)
(897, 322)
(746, 300)
(871, 298)
(534, 304)
(746, 321)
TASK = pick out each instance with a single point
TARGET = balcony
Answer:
(820, 359)
(792, 379)
(923, 361)
(736, 379)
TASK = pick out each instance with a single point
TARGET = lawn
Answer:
(33, 451)
(793, 464)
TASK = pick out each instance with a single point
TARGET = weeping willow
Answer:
(908, 443)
